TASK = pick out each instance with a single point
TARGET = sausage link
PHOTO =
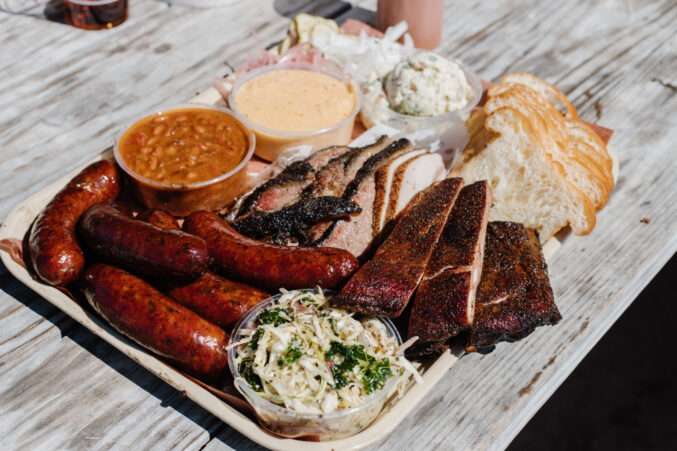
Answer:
(143, 248)
(216, 299)
(159, 218)
(139, 311)
(219, 300)
(265, 265)
(53, 248)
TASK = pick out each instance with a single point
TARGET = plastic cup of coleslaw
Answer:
(291, 424)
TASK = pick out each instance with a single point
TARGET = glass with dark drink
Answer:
(96, 14)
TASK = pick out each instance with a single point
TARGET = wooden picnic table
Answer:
(65, 93)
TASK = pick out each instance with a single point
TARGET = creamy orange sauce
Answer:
(295, 100)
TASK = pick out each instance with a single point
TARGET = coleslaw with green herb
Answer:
(309, 357)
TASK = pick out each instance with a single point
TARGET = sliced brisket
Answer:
(333, 178)
(293, 222)
(286, 188)
(384, 285)
(355, 233)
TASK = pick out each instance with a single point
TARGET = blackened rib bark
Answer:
(445, 301)
(514, 295)
(295, 220)
(429, 348)
(384, 284)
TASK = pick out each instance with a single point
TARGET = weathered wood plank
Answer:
(63, 388)
(83, 96)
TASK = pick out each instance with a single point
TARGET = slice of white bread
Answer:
(580, 131)
(579, 168)
(551, 93)
(575, 127)
(528, 186)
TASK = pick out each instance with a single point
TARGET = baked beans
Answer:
(184, 146)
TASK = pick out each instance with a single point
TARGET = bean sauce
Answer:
(184, 146)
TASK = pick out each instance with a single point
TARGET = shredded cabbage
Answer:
(367, 58)
(312, 358)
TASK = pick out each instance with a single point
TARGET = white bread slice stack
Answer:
(527, 187)
(545, 89)
(547, 169)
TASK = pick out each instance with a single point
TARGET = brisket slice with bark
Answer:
(336, 176)
(286, 188)
(293, 222)
(444, 304)
(514, 295)
(355, 233)
(384, 285)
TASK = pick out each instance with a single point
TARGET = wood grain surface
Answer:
(66, 93)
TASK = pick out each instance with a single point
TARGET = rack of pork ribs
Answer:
(445, 271)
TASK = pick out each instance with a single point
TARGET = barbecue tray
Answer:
(18, 222)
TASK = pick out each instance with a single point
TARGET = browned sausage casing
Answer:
(159, 218)
(53, 248)
(266, 265)
(139, 311)
(111, 232)
(219, 300)
(216, 299)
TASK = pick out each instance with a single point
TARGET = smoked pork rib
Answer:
(384, 285)
(514, 295)
(444, 304)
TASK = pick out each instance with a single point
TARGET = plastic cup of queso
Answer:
(186, 157)
(273, 139)
(309, 426)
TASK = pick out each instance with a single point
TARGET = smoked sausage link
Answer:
(53, 248)
(265, 265)
(139, 311)
(159, 218)
(111, 232)
(216, 299)
(219, 300)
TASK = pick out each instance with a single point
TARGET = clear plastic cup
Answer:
(96, 14)
(270, 143)
(185, 198)
(288, 423)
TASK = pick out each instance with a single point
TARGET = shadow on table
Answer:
(290, 8)
(344, 10)
(622, 395)
(55, 10)
(123, 365)
(52, 10)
